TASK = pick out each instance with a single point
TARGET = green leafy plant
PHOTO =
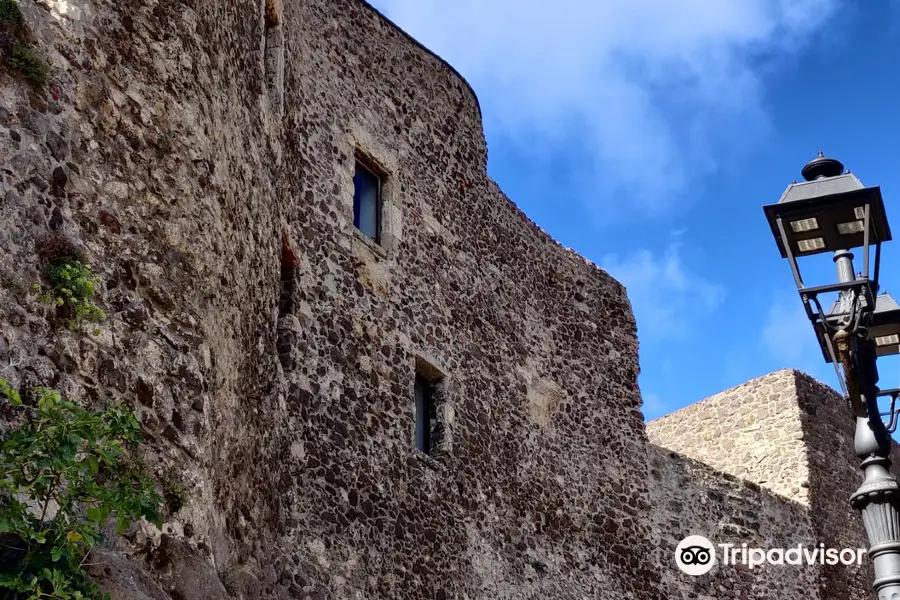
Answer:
(72, 285)
(10, 14)
(19, 54)
(30, 64)
(63, 474)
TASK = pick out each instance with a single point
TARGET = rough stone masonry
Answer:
(202, 157)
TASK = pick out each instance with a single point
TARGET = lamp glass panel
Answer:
(887, 340)
(811, 244)
(851, 227)
(802, 225)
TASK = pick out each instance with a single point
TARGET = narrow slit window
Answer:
(367, 202)
(274, 54)
(424, 411)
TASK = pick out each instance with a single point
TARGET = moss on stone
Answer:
(175, 492)
(31, 65)
(18, 54)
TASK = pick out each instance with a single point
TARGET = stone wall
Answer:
(691, 498)
(828, 429)
(271, 351)
(792, 436)
(833, 475)
(753, 431)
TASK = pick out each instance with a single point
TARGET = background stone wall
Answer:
(792, 436)
(753, 431)
(828, 430)
(691, 498)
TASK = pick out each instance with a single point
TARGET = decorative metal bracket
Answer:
(840, 330)
(845, 356)
(893, 412)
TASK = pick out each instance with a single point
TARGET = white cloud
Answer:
(653, 406)
(652, 92)
(790, 341)
(665, 295)
(789, 336)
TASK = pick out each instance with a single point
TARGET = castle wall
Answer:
(793, 436)
(753, 431)
(179, 143)
(834, 474)
(537, 349)
(151, 148)
(691, 498)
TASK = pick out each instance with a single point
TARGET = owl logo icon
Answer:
(695, 555)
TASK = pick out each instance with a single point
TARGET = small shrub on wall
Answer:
(18, 54)
(70, 282)
(63, 473)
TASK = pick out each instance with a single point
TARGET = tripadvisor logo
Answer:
(696, 555)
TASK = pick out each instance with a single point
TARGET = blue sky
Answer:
(647, 135)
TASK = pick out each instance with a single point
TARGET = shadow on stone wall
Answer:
(792, 436)
(691, 498)
(834, 474)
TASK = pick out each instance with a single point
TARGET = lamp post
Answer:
(832, 211)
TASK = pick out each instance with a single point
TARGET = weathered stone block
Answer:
(273, 12)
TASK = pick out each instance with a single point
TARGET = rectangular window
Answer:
(367, 201)
(424, 413)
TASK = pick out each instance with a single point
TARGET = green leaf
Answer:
(96, 514)
(11, 394)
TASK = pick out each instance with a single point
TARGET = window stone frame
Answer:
(442, 428)
(362, 147)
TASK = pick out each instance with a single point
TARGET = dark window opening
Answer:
(289, 262)
(367, 202)
(425, 414)
(286, 341)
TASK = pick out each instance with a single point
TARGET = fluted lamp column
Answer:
(878, 499)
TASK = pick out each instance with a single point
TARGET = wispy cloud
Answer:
(653, 406)
(652, 93)
(667, 297)
(788, 337)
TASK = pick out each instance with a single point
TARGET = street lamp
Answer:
(884, 327)
(832, 211)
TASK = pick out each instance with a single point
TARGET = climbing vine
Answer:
(64, 472)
